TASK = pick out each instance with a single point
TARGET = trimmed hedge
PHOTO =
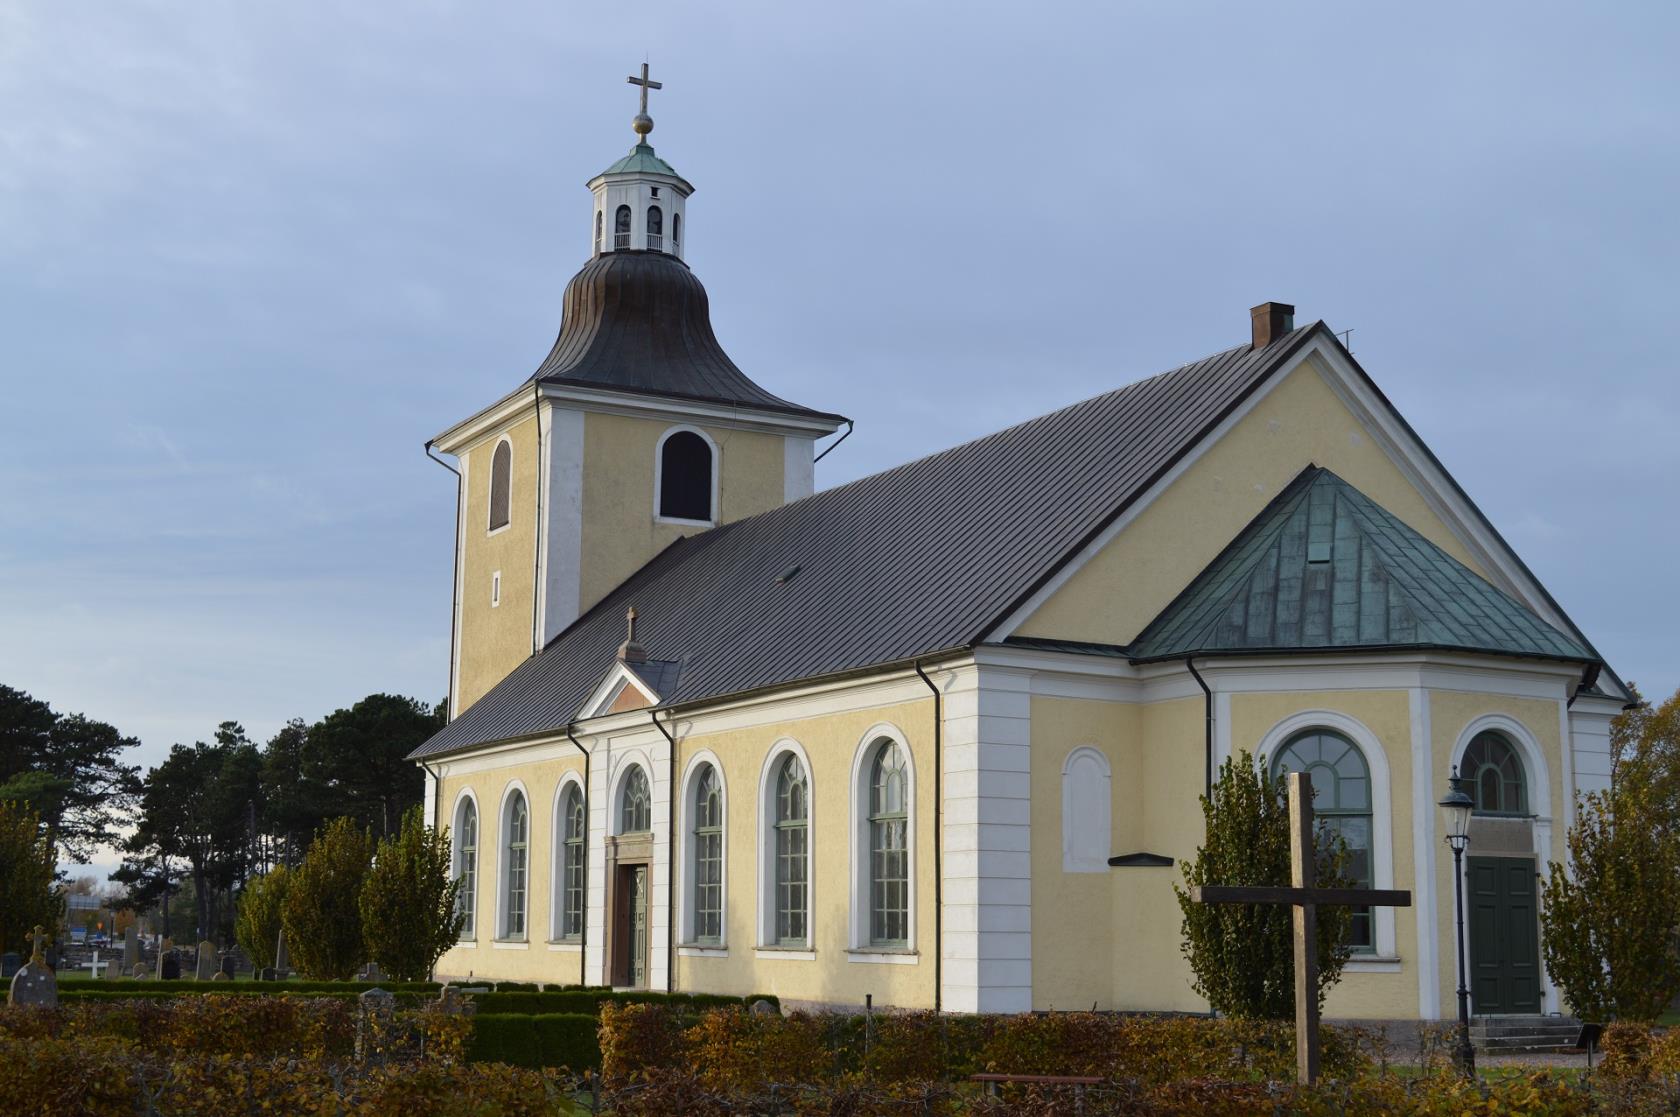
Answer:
(589, 1001)
(138, 986)
(558, 1039)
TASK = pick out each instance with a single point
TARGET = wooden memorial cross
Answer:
(38, 941)
(1305, 898)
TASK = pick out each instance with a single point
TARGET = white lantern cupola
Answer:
(639, 200)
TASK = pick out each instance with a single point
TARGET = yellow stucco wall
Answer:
(1451, 713)
(620, 531)
(1300, 422)
(496, 639)
(531, 960)
(831, 744)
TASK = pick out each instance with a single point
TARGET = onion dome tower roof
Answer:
(639, 321)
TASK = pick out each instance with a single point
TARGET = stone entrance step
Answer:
(1511, 1035)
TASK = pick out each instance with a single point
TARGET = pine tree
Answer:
(321, 912)
(1242, 955)
(408, 903)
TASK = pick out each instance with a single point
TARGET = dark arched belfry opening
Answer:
(685, 478)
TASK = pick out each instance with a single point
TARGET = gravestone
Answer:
(377, 1010)
(169, 964)
(164, 949)
(452, 1003)
(131, 948)
(115, 971)
(10, 963)
(282, 960)
(206, 961)
(141, 971)
(227, 968)
(267, 973)
(370, 972)
(34, 984)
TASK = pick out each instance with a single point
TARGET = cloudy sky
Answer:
(253, 255)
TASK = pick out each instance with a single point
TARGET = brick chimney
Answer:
(1271, 321)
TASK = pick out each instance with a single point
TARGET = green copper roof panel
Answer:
(1325, 567)
(642, 160)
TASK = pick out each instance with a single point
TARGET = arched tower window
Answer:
(676, 232)
(655, 229)
(621, 228)
(1342, 798)
(889, 847)
(708, 857)
(1495, 774)
(572, 821)
(792, 822)
(501, 483)
(466, 865)
(600, 218)
(516, 842)
(635, 805)
(685, 477)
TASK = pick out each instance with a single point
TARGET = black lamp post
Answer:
(1457, 806)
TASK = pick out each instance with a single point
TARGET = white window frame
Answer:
(767, 945)
(686, 871)
(557, 858)
(1073, 861)
(1384, 956)
(659, 475)
(490, 488)
(504, 821)
(861, 949)
(469, 930)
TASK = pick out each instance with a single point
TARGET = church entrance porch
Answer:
(1504, 936)
(630, 939)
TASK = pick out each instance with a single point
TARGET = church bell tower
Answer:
(635, 430)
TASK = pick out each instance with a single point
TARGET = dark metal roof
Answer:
(1326, 567)
(920, 559)
(639, 321)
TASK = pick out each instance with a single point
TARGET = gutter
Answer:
(454, 588)
(1207, 698)
(938, 840)
(670, 857)
(583, 934)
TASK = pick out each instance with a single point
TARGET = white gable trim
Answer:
(1398, 442)
(612, 686)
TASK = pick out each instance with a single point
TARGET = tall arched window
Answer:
(792, 821)
(889, 847)
(1495, 774)
(655, 229)
(635, 804)
(501, 482)
(685, 477)
(621, 228)
(572, 821)
(676, 233)
(466, 865)
(1086, 812)
(599, 219)
(516, 843)
(1342, 798)
(707, 895)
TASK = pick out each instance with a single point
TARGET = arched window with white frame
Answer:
(1341, 780)
(621, 228)
(570, 820)
(888, 832)
(706, 861)
(635, 803)
(516, 850)
(655, 229)
(1495, 772)
(1087, 806)
(501, 485)
(466, 864)
(785, 850)
(686, 476)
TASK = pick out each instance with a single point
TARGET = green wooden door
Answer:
(1504, 935)
(638, 926)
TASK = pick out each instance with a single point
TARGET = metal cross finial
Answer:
(630, 622)
(39, 939)
(643, 124)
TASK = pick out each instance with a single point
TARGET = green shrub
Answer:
(568, 1040)
(409, 915)
(257, 922)
(589, 1001)
(321, 912)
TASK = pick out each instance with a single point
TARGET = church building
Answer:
(938, 735)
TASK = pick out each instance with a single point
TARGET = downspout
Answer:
(454, 586)
(537, 528)
(1207, 777)
(670, 857)
(436, 780)
(829, 449)
(583, 935)
(938, 839)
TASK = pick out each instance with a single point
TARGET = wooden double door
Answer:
(1502, 899)
(630, 941)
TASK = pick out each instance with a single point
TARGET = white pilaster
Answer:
(1424, 853)
(799, 470)
(987, 871)
(561, 529)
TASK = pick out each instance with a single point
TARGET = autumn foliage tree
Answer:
(1242, 955)
(1611, 914)
(27, 865)
(321, 911)
(256, 926)
(408, 903)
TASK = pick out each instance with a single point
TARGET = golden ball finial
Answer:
(643, 124)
